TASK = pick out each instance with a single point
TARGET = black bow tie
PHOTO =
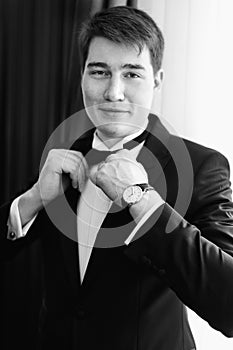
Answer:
(95, 156)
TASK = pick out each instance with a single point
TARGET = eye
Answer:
(99, 73)
(132, 75)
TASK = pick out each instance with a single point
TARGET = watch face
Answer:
(132, 194)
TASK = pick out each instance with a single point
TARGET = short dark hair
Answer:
(124, 25)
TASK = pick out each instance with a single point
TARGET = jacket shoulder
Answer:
(198, 153)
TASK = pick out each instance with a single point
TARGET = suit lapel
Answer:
(69, 246)
(119, 224)
(154, 156)
(70, 257)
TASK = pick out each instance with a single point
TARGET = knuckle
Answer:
(51, 154)
(73, 168)
(112, 156)
(101, 165)
(78, 155)
(100, 177)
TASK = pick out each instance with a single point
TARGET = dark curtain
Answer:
(39, 88)
(36, 53)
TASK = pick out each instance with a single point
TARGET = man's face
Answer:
(118, 83)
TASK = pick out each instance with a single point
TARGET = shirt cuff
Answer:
(143, 220)
(15, 229)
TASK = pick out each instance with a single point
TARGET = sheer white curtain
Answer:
(197, 95)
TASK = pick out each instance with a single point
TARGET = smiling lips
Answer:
(113, 110)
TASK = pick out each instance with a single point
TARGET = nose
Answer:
(115, 90)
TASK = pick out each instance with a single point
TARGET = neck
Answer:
(109, 142)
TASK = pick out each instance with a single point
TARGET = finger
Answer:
(82, 175)
(93, 173)
(71, 169)
(76, 165)
(78, 174)
(83, 172)
(84, 168)
(74, 180)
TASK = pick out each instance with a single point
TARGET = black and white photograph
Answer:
(116, 209)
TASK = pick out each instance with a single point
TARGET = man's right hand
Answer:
(52, 183)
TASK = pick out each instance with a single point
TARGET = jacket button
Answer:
(145, 260)
(161, 272)
(80, 314)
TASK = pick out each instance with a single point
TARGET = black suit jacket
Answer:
(133, 297)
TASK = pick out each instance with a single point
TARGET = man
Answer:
(129, 291)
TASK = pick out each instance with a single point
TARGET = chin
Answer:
(115, 131)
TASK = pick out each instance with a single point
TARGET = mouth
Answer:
(113, 110)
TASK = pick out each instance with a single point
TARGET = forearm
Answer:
(30, 204)
(196, 269)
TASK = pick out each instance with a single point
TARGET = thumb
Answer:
(93, 173)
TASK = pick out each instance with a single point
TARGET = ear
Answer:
(81, 76)
(158, 79)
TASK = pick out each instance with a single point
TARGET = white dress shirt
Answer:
(94, 205)
(92, 209)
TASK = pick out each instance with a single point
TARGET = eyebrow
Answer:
(105, 65)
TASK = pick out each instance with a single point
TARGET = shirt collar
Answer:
(98, 144)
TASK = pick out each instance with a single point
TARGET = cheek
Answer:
(91, 94)
(148, 99)
(142, 94)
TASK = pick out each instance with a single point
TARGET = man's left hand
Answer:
(117, 172)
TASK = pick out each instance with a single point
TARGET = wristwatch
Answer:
(134, 193)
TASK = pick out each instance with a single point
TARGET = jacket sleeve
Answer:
(10, 248)
(195, 258)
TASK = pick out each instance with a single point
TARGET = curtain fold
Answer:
(39, 88)
(36, 56)
(36, 89)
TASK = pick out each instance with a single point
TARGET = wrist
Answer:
(134, 193)
(30, 204)
(150, 199)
